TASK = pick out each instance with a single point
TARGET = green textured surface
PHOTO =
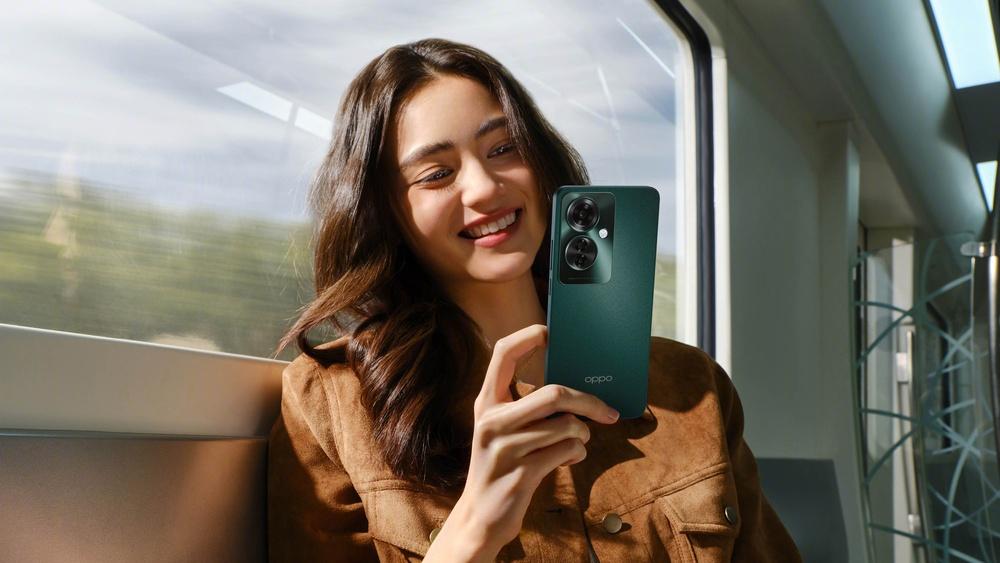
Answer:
(603, 329)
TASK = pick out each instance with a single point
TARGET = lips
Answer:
(471, 231)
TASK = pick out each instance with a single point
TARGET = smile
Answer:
(504, 223)
(495, 233)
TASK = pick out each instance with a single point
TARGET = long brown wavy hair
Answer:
(418, 356)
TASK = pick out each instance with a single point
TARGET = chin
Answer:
(501, 272)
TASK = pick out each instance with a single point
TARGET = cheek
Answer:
(541, 220)
(522, 177)
(428, 217)
(541, 206)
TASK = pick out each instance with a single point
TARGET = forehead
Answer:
(449, 108)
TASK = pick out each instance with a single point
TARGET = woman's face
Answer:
(455, 167)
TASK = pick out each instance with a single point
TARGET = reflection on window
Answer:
(154, 159)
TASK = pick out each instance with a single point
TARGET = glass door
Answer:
(925, 407)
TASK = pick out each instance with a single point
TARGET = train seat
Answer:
(121, 451)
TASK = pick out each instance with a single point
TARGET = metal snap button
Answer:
(612, 523)
(434, 533)
(730, 513)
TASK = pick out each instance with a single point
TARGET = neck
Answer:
(501, 308)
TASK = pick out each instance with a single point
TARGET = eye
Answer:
(503, 149)
(439, 174)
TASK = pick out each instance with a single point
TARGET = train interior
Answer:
(827, 172)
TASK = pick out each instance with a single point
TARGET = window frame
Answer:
(704, 160)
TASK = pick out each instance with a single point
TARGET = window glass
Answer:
(155, 157)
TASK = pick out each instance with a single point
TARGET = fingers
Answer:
(554, 399)
(542, 462)
(540, 435)
(506, 353)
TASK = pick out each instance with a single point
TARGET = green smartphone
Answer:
(601, 267)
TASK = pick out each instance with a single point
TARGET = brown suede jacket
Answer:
(680, 480)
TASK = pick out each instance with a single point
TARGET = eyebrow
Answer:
(424, 151)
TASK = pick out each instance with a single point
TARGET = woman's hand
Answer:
(514, 446)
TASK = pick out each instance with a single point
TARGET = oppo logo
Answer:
(598, 379)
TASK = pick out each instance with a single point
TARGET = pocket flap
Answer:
(405, 517)
(705, 506)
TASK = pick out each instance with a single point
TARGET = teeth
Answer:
(483, 230)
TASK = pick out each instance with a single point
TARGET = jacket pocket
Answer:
(705, 516)
(404, 517)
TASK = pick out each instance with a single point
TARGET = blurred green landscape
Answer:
(93, 260)
(86, 259)
(665, 297)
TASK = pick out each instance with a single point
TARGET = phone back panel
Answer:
(599, 331)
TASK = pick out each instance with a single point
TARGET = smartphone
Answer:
(600, 304)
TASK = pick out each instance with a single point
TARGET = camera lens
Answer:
(581, 252)
(582, 213)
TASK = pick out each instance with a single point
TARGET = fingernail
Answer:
(612, 415)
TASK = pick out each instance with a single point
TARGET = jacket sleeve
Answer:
(762, 536)
(313, 510)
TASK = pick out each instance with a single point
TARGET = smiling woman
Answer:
(416, 152)
(479, 154)
(426, 429)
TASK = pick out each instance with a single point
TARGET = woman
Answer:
(424, 430)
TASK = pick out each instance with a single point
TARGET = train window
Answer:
(155, 158)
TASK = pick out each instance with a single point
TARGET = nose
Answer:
(479, 186)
